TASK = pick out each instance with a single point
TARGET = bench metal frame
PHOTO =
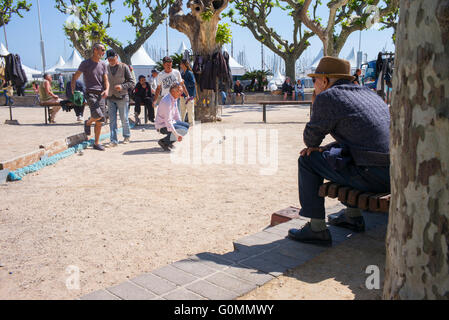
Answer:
(288, 102)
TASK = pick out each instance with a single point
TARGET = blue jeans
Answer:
(123, 110)
(298, 94)
(181, 128)
(314, 168)
(223, 97)
(8, 99)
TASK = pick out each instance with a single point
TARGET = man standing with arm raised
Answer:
(95, 76)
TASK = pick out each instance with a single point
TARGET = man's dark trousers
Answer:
(314, 168)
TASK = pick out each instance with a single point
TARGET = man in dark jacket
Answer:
(359, 121)
(287, 88)
(143, 95)
(238, 92)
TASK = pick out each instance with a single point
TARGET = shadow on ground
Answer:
(308, 271)
(144, 151)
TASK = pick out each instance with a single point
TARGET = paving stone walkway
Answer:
(256, 260)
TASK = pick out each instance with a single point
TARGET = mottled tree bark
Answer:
(200, 26)
(417, 263)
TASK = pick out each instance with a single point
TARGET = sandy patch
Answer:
(129, 210)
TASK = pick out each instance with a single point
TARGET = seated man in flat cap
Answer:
(359, 120)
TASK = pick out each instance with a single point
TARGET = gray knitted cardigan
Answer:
(356, 117)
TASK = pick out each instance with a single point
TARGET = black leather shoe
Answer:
(307, 235)
(339, 219)
(163, 145)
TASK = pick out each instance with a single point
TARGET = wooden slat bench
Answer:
(374, 202)
(288, 102)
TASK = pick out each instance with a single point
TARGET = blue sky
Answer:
(24, 38)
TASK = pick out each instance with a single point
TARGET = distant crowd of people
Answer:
(355, 116)
(167, 96)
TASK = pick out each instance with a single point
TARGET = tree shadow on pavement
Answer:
(309, 271)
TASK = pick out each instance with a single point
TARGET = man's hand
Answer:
(105, 94)
(313, 97)
(308, 151)
(118, 87)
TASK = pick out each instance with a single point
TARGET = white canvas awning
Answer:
(3, 50)
(30, 72)
(58, 64)
(142, 63)
(71, 65)
(236, 68)
(182, 48)
(141, 58)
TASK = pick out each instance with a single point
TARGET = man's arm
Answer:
(47, 87)
(156, 95)
(130, 82)
(185, 89)
(74, 78)
(105, 93)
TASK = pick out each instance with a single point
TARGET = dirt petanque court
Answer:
(131, 209)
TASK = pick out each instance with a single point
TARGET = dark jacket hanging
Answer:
(14, 71)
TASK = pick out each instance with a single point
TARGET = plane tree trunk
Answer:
(417, 262)
(200, 26)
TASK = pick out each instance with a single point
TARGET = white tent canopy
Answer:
(71, 65)
(58, 64)
(3, 50)
(142, 63)
(236, 68)
(182, 48)
(141, 58)
(30, 72)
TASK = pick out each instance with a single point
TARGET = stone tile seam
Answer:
(106, 289)
(146, 289)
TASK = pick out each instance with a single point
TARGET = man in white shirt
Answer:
(166, 79)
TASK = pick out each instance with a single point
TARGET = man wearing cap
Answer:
(359, 120)
(95, 77)
(166, 79)
(120, 81)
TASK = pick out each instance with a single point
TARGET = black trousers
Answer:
(79, 110)
(148, 102)
(166, 139)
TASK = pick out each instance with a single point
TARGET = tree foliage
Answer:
(260, 76)
(10, 7)
(345, 17)
(177, 57)
(253, 14)
(95, 22)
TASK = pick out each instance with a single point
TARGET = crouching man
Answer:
(168, 120)
(359, 120)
